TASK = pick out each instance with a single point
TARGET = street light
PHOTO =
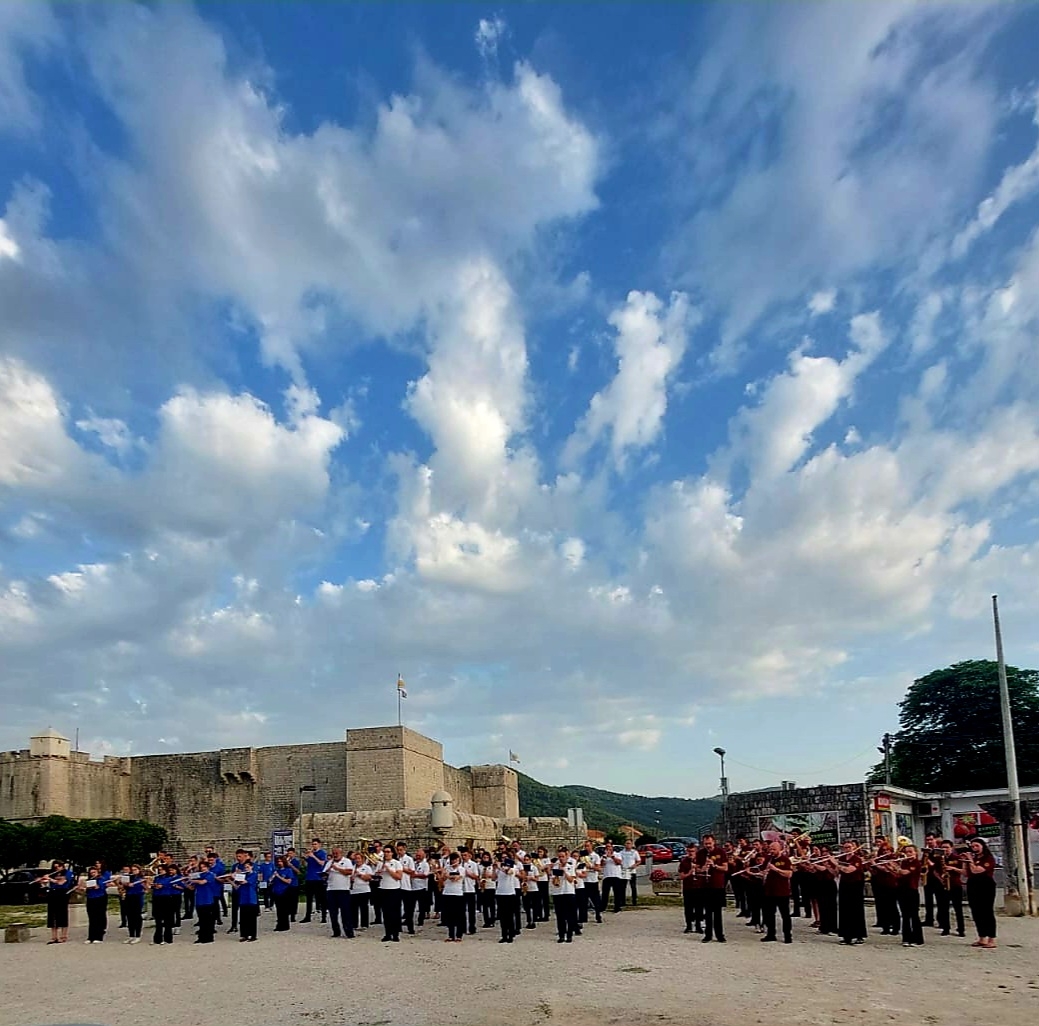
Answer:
(302, 789)
(656, 812)
(720, 752)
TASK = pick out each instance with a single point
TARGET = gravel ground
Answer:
(637, 968)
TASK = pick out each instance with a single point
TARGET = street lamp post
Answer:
(303, 788)
(656, 812)
(720, 752)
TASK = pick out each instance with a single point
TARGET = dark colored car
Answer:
(19, 887)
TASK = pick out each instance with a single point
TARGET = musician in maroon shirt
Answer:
(908, 871)
(692, 891)
(980, 864)
(776, 874)
(713, 863)
(851, 913)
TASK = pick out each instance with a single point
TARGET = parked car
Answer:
(19, 887)
(656, 853)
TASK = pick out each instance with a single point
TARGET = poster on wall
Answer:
(904, 825)
(974, 824)
(823, 827)
(281, 841)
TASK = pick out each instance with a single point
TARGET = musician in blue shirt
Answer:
(244, 882)
(166, 890)
(283, 887)
(265, 870)
(131, 888)
(206, 888)
(59, 882)
(292, 860)
(216, 864)
(314, 883)
(96, 895)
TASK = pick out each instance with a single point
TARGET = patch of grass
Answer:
(634, 969)
(30, 915)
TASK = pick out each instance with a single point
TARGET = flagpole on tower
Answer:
(402, 693)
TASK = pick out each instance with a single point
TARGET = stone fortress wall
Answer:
(377, 782)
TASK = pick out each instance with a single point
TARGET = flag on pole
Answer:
(513, 757)
(400, 686)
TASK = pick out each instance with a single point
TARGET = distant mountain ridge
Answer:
(607, 810)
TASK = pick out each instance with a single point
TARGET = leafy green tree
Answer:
(115, 841)
(18, 845)
(950, 734)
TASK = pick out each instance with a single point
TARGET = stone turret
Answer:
(49, 744)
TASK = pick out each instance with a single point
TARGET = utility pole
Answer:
(1017, 839)
(887, 761)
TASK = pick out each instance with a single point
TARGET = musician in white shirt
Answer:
(471, 881)
(361, 889)
(592, 898)
(420, 885)
(407, 891)
(611, 877)
(630, 861)
(507, 883)
(339, 873)
(562, 878)
(452, 901)
(488, 890)
(390, 873)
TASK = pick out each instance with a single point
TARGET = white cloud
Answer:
(822, 302)
(489, 33)
(1018, 183)
(650, 341)
(865, 113)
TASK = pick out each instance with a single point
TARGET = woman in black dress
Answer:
(851, 910)
(59, 882)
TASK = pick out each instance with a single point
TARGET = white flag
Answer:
(400, 686)
(513, 757)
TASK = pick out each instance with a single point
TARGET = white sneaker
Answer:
(129, 940)
(134, 940)
(88, 942)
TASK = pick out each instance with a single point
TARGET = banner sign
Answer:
(823, 827)
(281, 841)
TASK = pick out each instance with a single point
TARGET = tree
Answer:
(951, 729)
(17, 845)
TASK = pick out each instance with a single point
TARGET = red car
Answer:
(656, 853)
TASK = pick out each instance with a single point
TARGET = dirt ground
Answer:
(637, 968)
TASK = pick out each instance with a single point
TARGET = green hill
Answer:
(607, 810)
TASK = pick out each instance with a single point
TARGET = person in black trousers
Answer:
(950, 897)
(908, 870)
(776, 872)
(980, 865)
(562, 886)
(283, 887)
(390, 872)
(165, 894)
(851, 910)
(96, 901)
(930, 877)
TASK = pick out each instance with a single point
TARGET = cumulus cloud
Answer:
(210, 559)
(650, 341)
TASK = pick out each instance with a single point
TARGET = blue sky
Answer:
(634, 380)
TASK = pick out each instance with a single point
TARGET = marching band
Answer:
(516, 890)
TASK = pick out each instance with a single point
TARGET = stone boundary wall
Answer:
(849, 801)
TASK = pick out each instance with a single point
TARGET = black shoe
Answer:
(503, 941)
(560, 941)
(768, 940)
(598, 919)
(720, 940)
(233, 929)
(384, 940)
(688, 929)
(243, 940)
(305, 919)
(699, 928)
(337, 935)
(788, 940)
(945, 933)
(706, 940)
(569, 940)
